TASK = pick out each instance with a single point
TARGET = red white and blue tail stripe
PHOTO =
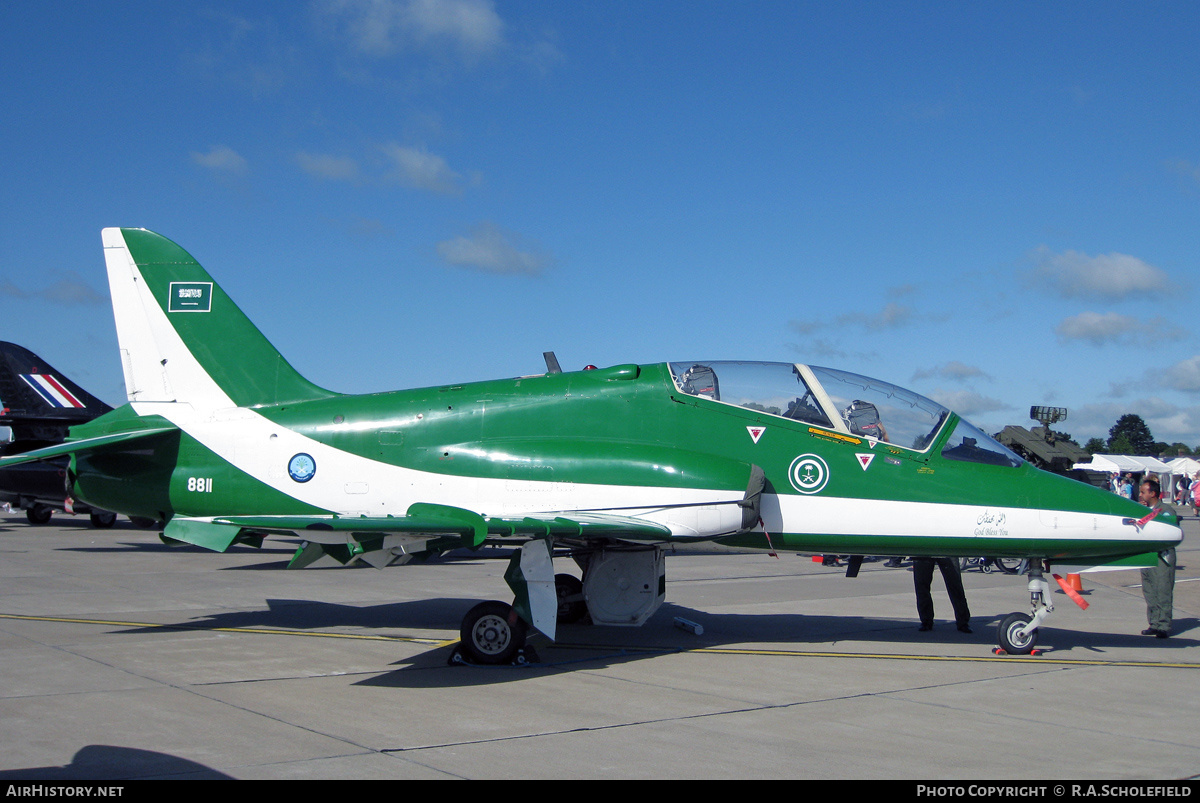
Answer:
(52, 391)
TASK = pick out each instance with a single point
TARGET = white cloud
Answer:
(491, 249)
(1099, 328)
(892, 315)
(1168, 422)
(1183, 375)
(1110, 277)
(420, 169)
(221, 159)
(383, 27)
(334, 168)
(69, 290)
(968, 403)
(1096, 327)
(952, 370)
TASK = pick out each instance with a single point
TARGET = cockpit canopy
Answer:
(839, 401)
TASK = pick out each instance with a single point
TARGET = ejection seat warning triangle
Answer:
(756, 432)
(864, 460)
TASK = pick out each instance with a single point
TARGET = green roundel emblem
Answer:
(302, 467)
(808, 473)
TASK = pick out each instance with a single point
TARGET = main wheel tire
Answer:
(1008, 565)
(1009, 636)
(103, 519)
(39, 514)
(492, 633)
(571, 605)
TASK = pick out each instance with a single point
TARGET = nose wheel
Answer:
(1017, 633)
(1013, 635)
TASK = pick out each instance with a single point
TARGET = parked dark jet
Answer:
(38, 404)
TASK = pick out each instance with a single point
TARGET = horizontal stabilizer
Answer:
(84, 446)
(207, 534)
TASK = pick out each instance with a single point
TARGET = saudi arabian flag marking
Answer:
(190, 297)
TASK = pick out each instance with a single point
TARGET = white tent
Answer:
(1185, 465)
(1125, 462)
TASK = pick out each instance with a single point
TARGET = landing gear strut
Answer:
(572, 606)
(1017, 633)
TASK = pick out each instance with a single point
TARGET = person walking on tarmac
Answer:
(1158, 583)
(1196, 494)
(923, 579)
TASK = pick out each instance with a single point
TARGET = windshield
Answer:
(837, 400)
(968, 443)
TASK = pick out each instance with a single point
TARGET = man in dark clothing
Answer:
(923, 579)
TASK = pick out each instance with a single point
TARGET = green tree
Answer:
(1130, 435)
(1120, 445)
(1094, 446)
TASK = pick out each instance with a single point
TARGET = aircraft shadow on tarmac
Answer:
(584, 647)
(77, 522)
(587, 647)
(156, 546)
(102, 762)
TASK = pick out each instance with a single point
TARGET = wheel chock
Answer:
(526, 656)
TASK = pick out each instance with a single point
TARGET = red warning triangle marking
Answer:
(756, 432)
(865, 460)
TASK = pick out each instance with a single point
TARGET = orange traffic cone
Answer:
(1075, 583)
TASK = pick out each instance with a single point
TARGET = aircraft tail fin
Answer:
(182, 338)
(39, 402)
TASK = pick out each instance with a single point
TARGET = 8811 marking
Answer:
(200, 484)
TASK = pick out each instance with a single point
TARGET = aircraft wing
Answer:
(425, 529)
(82, 446)
(428, 528)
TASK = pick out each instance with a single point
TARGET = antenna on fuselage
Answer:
(552, 366)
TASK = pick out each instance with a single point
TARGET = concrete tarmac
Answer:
(121, 658)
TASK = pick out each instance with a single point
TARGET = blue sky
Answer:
(994, 204)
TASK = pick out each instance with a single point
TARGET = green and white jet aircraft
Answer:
(226, 443)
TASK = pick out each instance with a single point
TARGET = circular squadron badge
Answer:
(809, 473)
(302, 467)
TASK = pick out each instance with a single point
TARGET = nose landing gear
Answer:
(1017, 633)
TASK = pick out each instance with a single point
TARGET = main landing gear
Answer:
(494, 633)
(622, 586)
(1017, 633)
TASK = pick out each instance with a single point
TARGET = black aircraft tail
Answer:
(37, 402)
